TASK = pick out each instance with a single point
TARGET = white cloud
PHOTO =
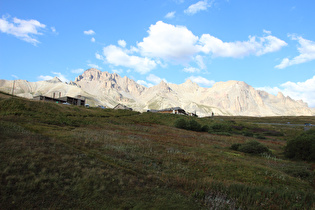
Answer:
(16, 77)
(306, 50)
(301, 90)
(169, 42)
(42, 77)
(191, 70)
(152, 80)
(144, 83)
(22, 29)
(238, 49)
(98, 56)
(133, 50)
(94, 66)
(284, 63)
(89, 32)
(270, 44)
(296, 90)
(155, 79)
(61, 76)
(57, 74)
(201, 81)
(122, 43)
(199, 6)
(117, 71)
(92, 39)
(170, 15)
(118, 57)
(178, 44)
(199, 61)
(77, 71)
(266, 32)
(53, 29)
(271, 90)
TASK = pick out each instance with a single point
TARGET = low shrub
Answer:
(205, 128)
(194, 125)
(251, 147)
(235, 146)
(302, 172)
(220, 127)
(181, 123)
(301, 147)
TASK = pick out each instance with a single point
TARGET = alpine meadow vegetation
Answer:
(68, 157)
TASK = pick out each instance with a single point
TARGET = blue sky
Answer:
(268, 44)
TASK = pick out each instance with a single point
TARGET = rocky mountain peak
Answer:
(190, 84)
(163, 86)
(54, 80)
(280, 95)
(92, 70)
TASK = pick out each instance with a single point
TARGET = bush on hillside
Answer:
(194, 125)
(220, 127)
(235, 146)
(251, 147)
(205, 128)
(181, 123)
(302, 147)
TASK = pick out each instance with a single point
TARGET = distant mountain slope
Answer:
(55, 86)
(224, 98)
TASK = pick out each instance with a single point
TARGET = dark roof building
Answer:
(49, 99)
(67, 99)
(173, 110)
(74, 101)
(121, 106)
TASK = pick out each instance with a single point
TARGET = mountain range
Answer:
(223, 98)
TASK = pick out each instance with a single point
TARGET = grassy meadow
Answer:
(67, 157)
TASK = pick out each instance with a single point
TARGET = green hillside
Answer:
(61, 157)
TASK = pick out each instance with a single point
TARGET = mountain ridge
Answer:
(223, 98)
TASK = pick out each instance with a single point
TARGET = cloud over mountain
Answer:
(306, 50)
(169, 42)
(119, 57)
(297, 90)
(238, 49)
(178, 45)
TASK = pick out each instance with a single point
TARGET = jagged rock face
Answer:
(224, 98)
(110, 88)
(94, 80)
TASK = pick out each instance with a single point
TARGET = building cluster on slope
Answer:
(80, 101)
(172, 110)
